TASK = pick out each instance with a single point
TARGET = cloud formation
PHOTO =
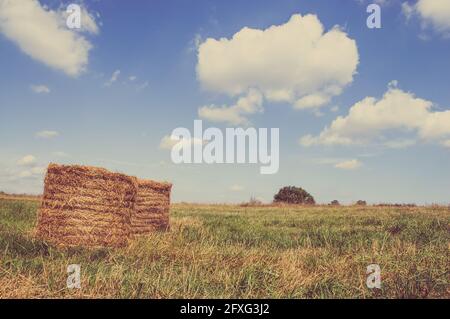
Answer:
(27, 160)
(297, 62)
(373, 121)
(42, 34)
(285, 62)
(40, 89)
(235, 114)
(435, 13)
(47, 134)
(113, 78)
(349, 165)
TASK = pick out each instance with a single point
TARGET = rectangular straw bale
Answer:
(86, 206)
(152, 207)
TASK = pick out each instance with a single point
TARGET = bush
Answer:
(361, 203)
(293, 195)
(335, 203)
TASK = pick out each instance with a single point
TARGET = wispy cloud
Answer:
(349, 165)
(113, 78)
(27, 160)
(40, 89)
(142, 86)
(47, 134)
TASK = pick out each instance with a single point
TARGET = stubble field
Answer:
(224, 251)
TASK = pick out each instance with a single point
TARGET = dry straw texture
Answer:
(86, 206)
(152, 207)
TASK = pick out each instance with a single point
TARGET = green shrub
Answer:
(293, 195)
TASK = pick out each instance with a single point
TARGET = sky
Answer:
(363, 113)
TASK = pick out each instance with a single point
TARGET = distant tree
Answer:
(293, 195)
(335, 203)
(361, 203)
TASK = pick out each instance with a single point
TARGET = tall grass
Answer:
(223, 251)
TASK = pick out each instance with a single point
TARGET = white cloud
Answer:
(349, 165)
(167, 142)
(40, 89)
(236, 188)
(235, 114)
(27, 160)
(47, 134)
(113, 78)
(312, 101)
(435, 13)
(42, 34)
(371, 120)
(132, 78)
(143, 86)
(296, 62)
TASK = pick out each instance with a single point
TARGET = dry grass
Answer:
(220, 251)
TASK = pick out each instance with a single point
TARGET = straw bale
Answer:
(86, 206)
(151, 208)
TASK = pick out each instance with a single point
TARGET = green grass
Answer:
(241, 252)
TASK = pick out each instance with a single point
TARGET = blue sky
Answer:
(66, 107)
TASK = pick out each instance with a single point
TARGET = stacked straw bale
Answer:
(152, 207)
(86, 206)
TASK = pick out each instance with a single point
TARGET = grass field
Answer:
(241, 252)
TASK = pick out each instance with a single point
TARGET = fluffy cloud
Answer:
(431, 12)
(40, 89)
(370, 120)
(349, 165)
(47, 134)
(296, 62)
(235, 114)
(27, 160)
(42, 34)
